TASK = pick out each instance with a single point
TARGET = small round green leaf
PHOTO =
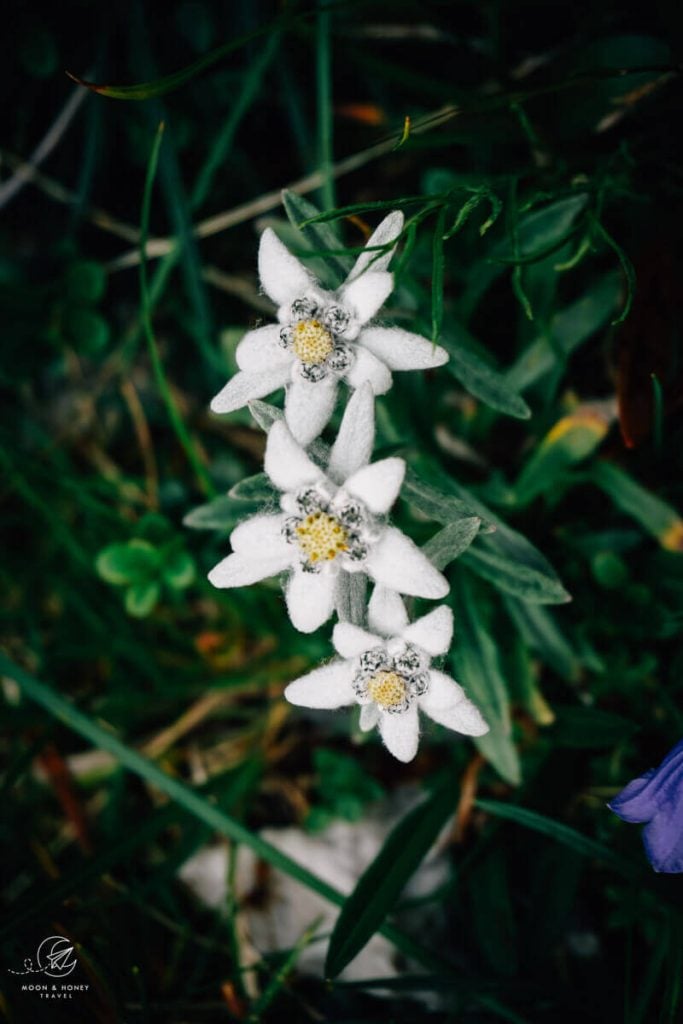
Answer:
(141, 598)
(86, 330)
(122, 564)
(179, 571)
(86, 282)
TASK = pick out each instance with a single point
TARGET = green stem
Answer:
(162, 383)
(324, 89)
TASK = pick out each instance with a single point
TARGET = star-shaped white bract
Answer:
(332, 522)
(388, 672)
(323, 336)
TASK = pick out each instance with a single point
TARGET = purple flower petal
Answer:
(657, 798)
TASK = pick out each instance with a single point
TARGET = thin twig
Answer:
(10, 188)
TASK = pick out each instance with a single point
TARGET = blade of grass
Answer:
(323, 49)
(174, 415)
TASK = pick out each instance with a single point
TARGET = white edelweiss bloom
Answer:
(322, 336)
(388, 672)
(331, 523)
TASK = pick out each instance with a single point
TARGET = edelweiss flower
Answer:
(388, 673)
(331, 523)
(322, 336)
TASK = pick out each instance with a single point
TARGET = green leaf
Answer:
(141, 598)
(492, 917)
(566, 331)
(85, 282)
(222, 513)
(480, 379)
(572, 439)
(123, 564)
(450, 542)
(586, 728)
(539, 230)
(436, 504)
(477, 668)
(321, 236)
(556, 830)
(254, 488)
(180, 570)
(511, 564)
(160, 86)
(87, 330)
(654, 515)
(501, 555)
(540, 631)
(381, 884)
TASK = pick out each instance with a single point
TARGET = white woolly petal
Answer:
(377, 485)
(310, 599)
(353, 445)
(240, 570)
(261, 536)
(286, 463)
(241, 388)
(401, 350)
(400, 732)
(396, 562)
(308, 407)
(283, 278)
(261, 350)
(326, 687)
(369, 717)
(433, 632)
(445, 702)
(366, 367)
(387, 612)
(367, 293)
(350, 640)
(387, 231)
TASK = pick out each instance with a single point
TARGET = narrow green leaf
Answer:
(659, 518)
(540, 229)
(509, 562)
(572, 439)
(587, 728)
(450, 542)
(567, 330)
(434, 503)
(437, 274)
(480, 379)
(492, 917)
(132, 562)
(141, 598)
(382, 882)
(160, 86)
(477, 666)
(626, 266)
(556, 830)
(321, 236)
(501, 555)
(222, 513)
(254, 488)
(540, 631)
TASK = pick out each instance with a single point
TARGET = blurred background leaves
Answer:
(534, 150)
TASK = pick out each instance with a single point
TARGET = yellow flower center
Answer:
(321, 537)
(388, 689)
(312, 343)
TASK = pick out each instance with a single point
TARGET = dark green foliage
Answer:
(540, 176)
